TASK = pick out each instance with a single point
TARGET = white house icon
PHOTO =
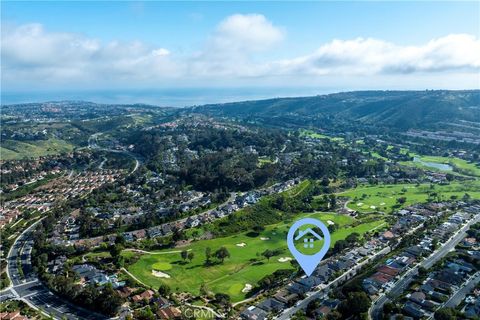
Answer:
(308, 241)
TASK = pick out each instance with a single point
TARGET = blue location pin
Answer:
(306, 261)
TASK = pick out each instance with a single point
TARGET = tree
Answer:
(422, 271)
(401, 200)
(332, 228)
(390, 308)
(268, 254)
(222, 253)
(339, 246)
(355, 304)
(184, 254)
(115, 250)
(332, 202)
(190, 256)
(164, 289)
(222, 299)
(311, 307)
(445, 314)
(208, 254)
(352, 238)
(334, 315)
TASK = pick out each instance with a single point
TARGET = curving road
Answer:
(92, 144)
(31, 290)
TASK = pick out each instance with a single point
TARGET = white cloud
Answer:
(236, 52)
(230, 49)
(29, 52)
(456, 52)
(250, 33)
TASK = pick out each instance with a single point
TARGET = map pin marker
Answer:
(308, 262)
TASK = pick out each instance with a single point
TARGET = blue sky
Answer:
(348, 45)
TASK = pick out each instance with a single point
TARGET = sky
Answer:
(242, 47)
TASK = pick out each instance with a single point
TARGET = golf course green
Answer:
(245, 266)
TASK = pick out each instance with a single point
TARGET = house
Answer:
(272, 305)
(86, 272)
(413, 309)
(310, 282)
(169, 313)
(323, 311)
(323, 272)
(417, 297)
(192, 222)
(331, 303)
(388, 270)
(14, 315)
(297, 288)
(473, 310)
(469, 242)
(163, 302)
(286, 297)
(415, 250)
(253, 313)
(307, 241)
(125, 292)
(388, 235)
(369, 287)
(145, 296)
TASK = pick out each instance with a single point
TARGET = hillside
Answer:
(397, 109)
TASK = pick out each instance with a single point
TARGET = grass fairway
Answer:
(461, 165)
(13, 150)
(384, 197)
(243, 267)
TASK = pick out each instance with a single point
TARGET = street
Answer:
(377, 306)
(28, 287)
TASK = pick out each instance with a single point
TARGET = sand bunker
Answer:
(264, 239)
(243, 244)
(160, 274)
(248, 287)
(360, 204)
(284, 259)
(330, 222)
(373, 207)
(382, 204)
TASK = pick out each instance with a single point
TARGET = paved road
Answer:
(29, 289)
(406, 279)
(463, 291)
(323, 291)
(92, 144)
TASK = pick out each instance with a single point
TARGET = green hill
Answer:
(396, 109)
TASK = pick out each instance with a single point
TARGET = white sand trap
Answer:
(330, 222)
(382, 204)
(160, 274)
(248, 287)
(243, 244)
(284, 259)
(360, 204)
(264, 239)
(373, 207)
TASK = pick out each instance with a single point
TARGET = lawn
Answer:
(263, 160)
(245, 266)
(461, 165)
(12, 150)
(313, 134)
(384, 197)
